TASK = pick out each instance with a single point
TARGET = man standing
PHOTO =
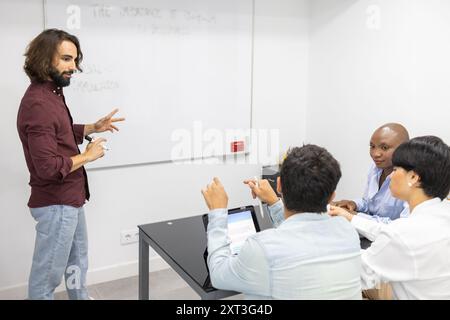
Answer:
(59, 186)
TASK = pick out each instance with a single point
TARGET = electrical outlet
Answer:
(129, 236)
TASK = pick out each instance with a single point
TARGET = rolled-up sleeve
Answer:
(78, 130)
(43, 146)
(361, 204)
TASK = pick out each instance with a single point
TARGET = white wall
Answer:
(320, 76)
(125, 197)
(361, 78)
(19, 22)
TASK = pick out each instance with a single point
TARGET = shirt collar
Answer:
(51, 86)
(379, 171)
(376, 177)
(422, 207)
(306, 216)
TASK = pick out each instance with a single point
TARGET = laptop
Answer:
(242, 223)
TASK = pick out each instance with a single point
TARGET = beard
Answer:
(59, 78)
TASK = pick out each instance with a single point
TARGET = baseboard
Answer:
(99, 275)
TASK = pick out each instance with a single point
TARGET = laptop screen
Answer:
(240, 227)
(242, 223)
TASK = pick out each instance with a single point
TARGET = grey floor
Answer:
(164, 285)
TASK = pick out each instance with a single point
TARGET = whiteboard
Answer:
(174, 68)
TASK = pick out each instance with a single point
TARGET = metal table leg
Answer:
(143, 267)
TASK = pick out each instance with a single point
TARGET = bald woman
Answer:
(378, 204)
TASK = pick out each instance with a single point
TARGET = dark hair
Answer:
(309, 176)
(429, 157)
(41, 51)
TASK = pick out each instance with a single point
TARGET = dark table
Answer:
(182, 244)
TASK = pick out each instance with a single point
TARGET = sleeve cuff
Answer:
(78, 130)
(218, 218)
(66, 167)
(276, 204)
(364, 215)
(276, 213)
(359, 204)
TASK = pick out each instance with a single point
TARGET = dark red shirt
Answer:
(49, 138)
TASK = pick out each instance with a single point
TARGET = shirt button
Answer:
(54, 91)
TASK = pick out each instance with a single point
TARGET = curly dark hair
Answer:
(42, 49)
(309, 175)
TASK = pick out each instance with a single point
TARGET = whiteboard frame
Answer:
(223, 157)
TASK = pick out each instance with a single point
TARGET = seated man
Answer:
(310, 255)
(378, 204)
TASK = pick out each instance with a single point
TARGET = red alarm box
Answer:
(237, 146)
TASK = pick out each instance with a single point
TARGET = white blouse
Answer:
(412, 254)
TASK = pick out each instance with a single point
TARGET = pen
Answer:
(90, 139)
(259, 200)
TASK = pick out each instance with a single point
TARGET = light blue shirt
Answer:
(309, 256)
(380, 205)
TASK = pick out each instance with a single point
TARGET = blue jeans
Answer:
(61, 248)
